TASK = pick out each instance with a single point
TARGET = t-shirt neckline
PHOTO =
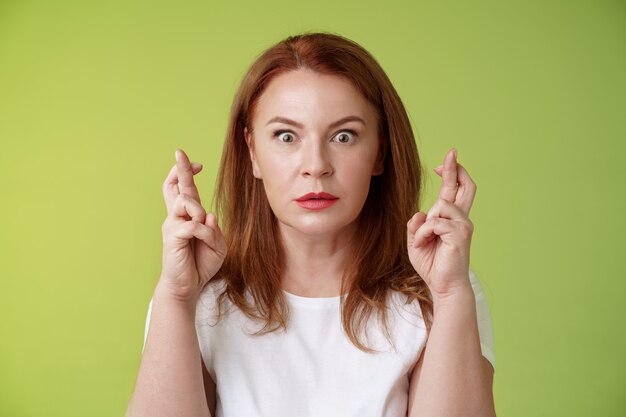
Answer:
(313, 301)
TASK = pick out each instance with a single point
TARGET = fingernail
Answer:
(176, 154)
(454, 151)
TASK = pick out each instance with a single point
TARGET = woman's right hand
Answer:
(193, 244)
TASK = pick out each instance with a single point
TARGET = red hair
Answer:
(380, 260)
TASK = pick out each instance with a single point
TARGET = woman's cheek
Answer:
(276, 180)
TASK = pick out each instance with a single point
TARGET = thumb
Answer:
(209, 220)
(219, 243)
(413, 224)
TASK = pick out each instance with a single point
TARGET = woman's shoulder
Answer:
(214, 286)
(476, 285)
(404, 306)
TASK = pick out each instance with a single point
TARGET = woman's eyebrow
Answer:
(279, 119)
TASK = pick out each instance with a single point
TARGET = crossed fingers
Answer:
(457, 186)
(451, 210)
(180, 180)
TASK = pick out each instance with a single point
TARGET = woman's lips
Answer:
(316, 201)
(314, 204)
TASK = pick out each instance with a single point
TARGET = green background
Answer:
(96, 96)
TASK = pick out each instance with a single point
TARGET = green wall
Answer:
(96, 96)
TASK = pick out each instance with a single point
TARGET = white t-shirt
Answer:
(313, 369)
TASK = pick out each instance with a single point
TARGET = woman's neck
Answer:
(314, 265)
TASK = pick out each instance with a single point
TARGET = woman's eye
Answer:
(346, 136)
(284, 136)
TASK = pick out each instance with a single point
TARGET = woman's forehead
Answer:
(307, 96)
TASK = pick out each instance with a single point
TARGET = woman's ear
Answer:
(250, 142)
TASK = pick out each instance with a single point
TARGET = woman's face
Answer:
(314, 133)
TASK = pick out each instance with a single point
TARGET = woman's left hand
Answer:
(439, 242)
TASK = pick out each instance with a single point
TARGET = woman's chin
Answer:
(318, 227)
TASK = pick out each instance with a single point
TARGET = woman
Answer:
(318, 192)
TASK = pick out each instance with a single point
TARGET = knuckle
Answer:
(189, 226)
(185, 200)
(167, 183)
(442, 202)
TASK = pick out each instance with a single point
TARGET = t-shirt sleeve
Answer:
(485, 328)
(145, 332)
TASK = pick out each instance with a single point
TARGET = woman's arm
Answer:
(452, 378)
(170, 381)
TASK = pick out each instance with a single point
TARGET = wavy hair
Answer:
(379, 262)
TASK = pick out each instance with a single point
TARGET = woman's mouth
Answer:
(316, 201)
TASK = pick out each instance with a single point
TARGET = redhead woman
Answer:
(317, 287)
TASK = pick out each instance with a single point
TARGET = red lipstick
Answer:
(316, 201)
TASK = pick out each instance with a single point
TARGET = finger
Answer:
(467, 190)
(191, 229)
(413, 224)
(186, 185)
(219, 241)
(170, 185)
(449, 175)
(446, 210)
(186, 208)
(433, 228)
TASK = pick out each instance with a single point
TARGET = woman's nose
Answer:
(315, 160)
